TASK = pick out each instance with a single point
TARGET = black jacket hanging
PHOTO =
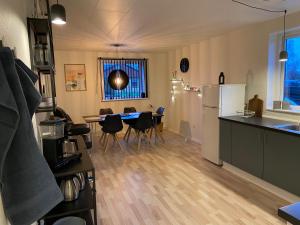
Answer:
(28, 187)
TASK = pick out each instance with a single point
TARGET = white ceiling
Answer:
(150, 25)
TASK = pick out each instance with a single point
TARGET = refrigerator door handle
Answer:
(211, 107)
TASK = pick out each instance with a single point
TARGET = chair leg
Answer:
(117, 140)
(127, 131)
(113, 140)
(151, 131)
(147, 136)
(102, 137)
(156, 134)
(139, 140)
(106, 144)
(161, 137)
(128, 135)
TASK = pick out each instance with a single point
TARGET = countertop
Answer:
(264, 122)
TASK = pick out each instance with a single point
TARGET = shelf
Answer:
(44, 69)
(39, 25)
(83, 203)
(84, 165)
(87, 216)
(44, 109)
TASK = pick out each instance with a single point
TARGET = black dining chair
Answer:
(129, 122)
(75, 129)
(104, 111)
(157, 123)
(111, 126)
(143, 124)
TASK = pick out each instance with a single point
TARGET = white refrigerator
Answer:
(218, 100)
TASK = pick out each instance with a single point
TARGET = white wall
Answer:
(81, 103)
(13, 31)
(240, 54)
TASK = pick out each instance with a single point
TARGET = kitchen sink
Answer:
(289, 127)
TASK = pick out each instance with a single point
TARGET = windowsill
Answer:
(287, 111)
(122, 100)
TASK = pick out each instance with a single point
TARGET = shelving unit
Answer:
(42, 59)
(85, 206)
(43, 64)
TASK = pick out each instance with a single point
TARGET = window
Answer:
(130, 78)
(291, 92)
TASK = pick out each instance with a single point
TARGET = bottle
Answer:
(221, 78)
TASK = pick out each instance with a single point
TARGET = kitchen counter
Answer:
(267, 123)
(261, 148)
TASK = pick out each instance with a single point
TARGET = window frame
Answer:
(100, 66)
(289, 35)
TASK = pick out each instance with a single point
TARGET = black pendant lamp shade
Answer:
(283, 56)
(58, 14)
(118, 79)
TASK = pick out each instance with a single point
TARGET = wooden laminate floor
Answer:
(172, 184)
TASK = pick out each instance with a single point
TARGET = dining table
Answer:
(93, 120)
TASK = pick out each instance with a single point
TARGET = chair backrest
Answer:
(112, 123)
(59, 112)
(129, 109)
(144, 121)
(160, 110)
(105, 111)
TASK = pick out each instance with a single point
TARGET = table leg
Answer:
(155, 130)
(91, 134)
(95, 200)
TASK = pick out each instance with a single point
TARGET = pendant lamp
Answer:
(283, 56)
(118, 79)
(58, 14)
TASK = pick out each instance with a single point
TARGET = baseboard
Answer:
(196, 140)
(261, 183)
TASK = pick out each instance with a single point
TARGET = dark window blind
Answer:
(136, 69)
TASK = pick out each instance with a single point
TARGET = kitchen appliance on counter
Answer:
(52, 134)
(70, 188)
(82, 178)
(70, 146)
(218, 100)
(58, 150)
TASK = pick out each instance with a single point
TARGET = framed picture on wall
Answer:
(75, 77)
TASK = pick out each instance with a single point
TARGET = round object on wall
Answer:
(184, 65)
(118, 79)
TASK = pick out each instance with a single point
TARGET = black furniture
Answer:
(143, 124)
(85, 206)
(72, 129)
(112, 125)
(259, 147)
(160, 110)
(129, 122)
(104, 111)
(42, 58)
(290, 213)
(129, 110)
(156, 124)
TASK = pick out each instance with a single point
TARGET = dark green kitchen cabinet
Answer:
(225, 140)
(282, 160)
(247, 148)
